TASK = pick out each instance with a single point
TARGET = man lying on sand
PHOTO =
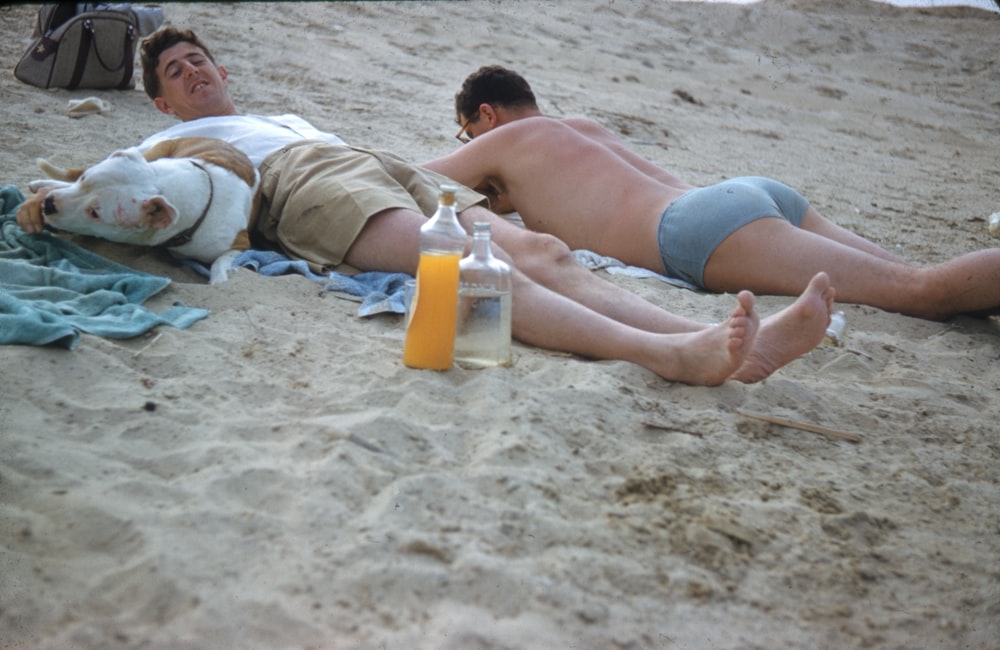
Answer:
(574, 179)
(328, 203)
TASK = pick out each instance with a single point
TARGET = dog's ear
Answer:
(158, 212)
(58, 173)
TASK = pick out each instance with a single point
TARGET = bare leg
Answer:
(390, 241)
(549, 262)
(782, 337)
(708, 357)
(772, 256)
(817, 223)
(547, 319)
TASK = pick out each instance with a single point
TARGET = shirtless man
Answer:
(315, 211)
(574, 179)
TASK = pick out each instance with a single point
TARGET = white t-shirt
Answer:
(258, 136)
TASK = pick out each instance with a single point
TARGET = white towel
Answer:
(595, 261)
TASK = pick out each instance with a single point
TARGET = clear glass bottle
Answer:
(482, 335)
(430, 332)
(835, 330)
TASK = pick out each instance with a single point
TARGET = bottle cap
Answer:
(448, 194)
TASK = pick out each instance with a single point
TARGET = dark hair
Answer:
(154, 45)
(494, 85)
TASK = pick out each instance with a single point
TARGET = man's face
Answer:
(487, 118)
(192, 86)
(473, 127)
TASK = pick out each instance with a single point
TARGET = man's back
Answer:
(564, 182)
(601, 135)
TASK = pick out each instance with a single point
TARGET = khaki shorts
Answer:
(316, 197)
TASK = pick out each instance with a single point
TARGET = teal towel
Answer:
(51, 290)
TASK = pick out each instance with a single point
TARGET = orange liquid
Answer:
(430, 335)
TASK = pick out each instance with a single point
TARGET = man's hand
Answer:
(29, 213)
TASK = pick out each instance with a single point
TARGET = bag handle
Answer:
(87, 40)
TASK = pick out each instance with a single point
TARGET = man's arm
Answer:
(448, 166)
(471, 165)
(474, 165)
(599, 134)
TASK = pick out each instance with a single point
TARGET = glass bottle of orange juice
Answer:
(430, 332)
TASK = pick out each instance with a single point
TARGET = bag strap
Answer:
(129, 56)
(52, 16)
(87, 40)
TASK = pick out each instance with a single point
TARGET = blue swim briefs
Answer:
(694, 225)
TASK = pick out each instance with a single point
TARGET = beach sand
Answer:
(274, 477)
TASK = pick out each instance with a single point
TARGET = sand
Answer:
(273, 477)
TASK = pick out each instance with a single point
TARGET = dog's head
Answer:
(116, 199)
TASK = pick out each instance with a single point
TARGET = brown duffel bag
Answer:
(84, 45)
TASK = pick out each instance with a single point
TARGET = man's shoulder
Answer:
(584, 125)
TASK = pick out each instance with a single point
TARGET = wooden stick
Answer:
(812, 428)
(148, 345)
(667, 427)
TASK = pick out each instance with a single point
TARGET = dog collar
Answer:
(184, 237)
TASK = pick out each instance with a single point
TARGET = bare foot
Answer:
(710, 356)
(791, 332)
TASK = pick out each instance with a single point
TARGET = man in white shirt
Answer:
(329, 203)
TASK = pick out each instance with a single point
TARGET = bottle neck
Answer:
(446, 206)
(443, 234)
(481, 245)
(446, 211)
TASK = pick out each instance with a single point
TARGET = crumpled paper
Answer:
(88, 106)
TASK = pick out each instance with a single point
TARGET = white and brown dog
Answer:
(195, 196)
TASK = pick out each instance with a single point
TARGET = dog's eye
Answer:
(94, 214)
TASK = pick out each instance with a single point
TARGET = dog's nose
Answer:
(49, 206)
